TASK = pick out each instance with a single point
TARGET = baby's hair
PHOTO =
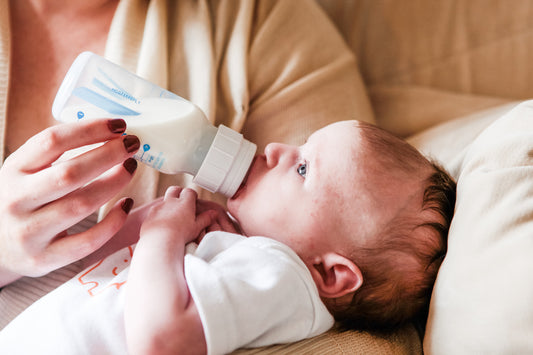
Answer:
(400, 265)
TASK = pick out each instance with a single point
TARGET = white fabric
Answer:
(249, 292)
(82, 316)
(264, 293)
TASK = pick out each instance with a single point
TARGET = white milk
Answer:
(178, 138)
(175, 135)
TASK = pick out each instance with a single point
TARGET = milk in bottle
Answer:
(175, 135)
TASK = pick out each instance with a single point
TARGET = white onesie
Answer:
(249, 292)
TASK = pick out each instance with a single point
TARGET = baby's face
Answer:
(303, 196)
(294, 194)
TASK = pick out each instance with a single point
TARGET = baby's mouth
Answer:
(243, 184)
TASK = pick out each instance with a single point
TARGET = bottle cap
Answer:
(226, 162)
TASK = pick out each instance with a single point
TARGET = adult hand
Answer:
(126, 236)
(41, 197)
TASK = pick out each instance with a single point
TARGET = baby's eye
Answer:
(302, 169)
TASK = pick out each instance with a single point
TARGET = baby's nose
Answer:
(272, 153)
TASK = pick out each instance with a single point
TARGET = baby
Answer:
(364, 211)
(351, 226)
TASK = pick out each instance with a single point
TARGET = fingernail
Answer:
(117, 125)
(130, 165)
(131, 143)
(127, 204)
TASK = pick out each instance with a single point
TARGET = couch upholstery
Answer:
(472, 54)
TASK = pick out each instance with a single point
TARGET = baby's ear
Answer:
(336, 275)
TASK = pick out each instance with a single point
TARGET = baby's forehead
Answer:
(363, 166)
(353, 154)
(341, 129)
(337, 142)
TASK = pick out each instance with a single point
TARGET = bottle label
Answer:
(144, 156)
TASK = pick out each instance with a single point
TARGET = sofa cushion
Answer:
(403, 341)
(405, 110)
(463, 46)
(482, 299)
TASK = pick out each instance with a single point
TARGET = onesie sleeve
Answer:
(252, 292)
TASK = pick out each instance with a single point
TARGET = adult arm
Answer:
(301, 75)
(276, 70)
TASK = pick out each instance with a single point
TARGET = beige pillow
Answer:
(448, 142)
(483, 298)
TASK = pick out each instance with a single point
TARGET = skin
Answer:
(171, 325)
(292, 194)
(33, 221)
(37, 191)
(47, 35)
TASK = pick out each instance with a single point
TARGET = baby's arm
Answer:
(160, 314)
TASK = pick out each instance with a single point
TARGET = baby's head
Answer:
(365, 211)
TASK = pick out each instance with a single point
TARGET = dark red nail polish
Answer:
(130, 165)
(127, 204)
(117, 125)
(131, 143)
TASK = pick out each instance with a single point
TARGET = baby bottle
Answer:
(175, 135)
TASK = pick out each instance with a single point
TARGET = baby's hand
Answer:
(177, 216)
(221, 222)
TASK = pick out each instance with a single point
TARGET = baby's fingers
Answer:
(206, 220)
(214, 227)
